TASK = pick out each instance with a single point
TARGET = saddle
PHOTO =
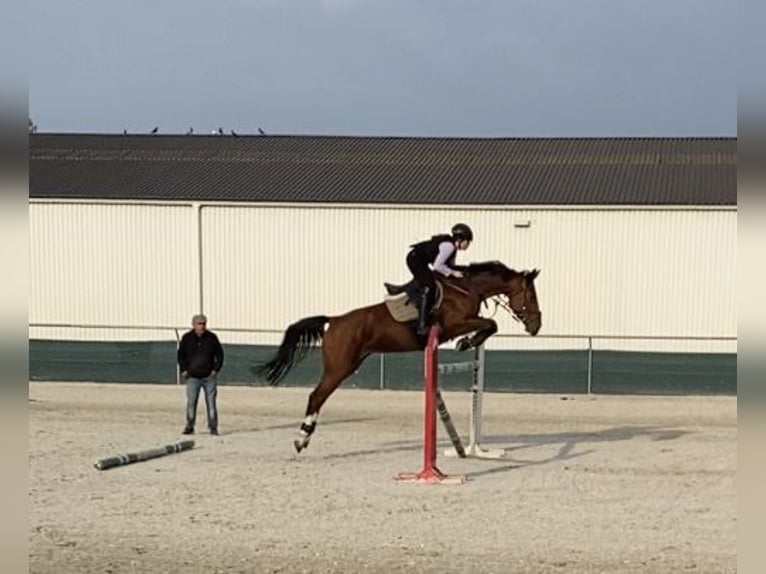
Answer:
(402, 300)
(410, 288)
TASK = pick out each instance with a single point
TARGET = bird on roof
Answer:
(260, 131)
(124, 132)
(155, 130)
(220, 131)
(190, 131)
(235, 134)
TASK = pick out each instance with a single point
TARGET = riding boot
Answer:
(423, 309)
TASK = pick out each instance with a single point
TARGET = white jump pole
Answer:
(474, 448)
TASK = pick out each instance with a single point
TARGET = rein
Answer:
(451, 284)
(496, 299)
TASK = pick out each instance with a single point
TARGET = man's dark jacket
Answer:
(200, 355)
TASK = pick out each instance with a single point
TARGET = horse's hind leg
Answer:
(335, 371)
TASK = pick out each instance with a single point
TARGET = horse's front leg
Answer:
(484, 329)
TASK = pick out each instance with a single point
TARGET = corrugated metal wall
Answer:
(604, 271)
(109, 264)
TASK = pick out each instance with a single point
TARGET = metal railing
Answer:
(584, 338)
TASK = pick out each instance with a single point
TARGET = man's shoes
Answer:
(214, 432)
(188, 430)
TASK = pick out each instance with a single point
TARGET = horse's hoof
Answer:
(299, 446)
(463, 344)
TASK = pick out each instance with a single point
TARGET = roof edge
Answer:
(389, 137)
(391, 206)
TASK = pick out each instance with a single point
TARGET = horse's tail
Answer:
(299, 338)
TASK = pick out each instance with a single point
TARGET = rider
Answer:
(435, 254)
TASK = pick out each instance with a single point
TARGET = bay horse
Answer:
(347, 340)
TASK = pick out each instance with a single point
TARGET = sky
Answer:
(423, 68)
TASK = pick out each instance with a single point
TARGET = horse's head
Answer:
(524, 304)
(494, 279)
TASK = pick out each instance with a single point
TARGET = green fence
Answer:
(505, 371)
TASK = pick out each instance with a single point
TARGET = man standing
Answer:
(200, 358)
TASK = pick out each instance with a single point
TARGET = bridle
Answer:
(504, 301)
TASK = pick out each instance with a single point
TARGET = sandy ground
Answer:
(608, 484)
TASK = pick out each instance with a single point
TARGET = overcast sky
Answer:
(469, 68)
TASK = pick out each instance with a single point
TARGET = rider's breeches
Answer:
(423, 275)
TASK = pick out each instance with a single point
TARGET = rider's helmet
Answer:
(462, 231)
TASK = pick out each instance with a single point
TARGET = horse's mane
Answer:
(493, 268)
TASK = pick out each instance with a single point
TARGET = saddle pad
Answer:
(402, 311)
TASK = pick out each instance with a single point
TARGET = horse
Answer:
(347, 340)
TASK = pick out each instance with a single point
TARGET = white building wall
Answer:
(604, 272)
(644, 272)
(110, 264)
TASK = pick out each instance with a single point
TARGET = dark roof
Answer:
(528, 171)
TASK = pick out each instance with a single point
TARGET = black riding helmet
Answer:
(462, 231)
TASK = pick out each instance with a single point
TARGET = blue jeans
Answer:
(193, 386)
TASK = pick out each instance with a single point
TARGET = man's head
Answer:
(199, 323)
